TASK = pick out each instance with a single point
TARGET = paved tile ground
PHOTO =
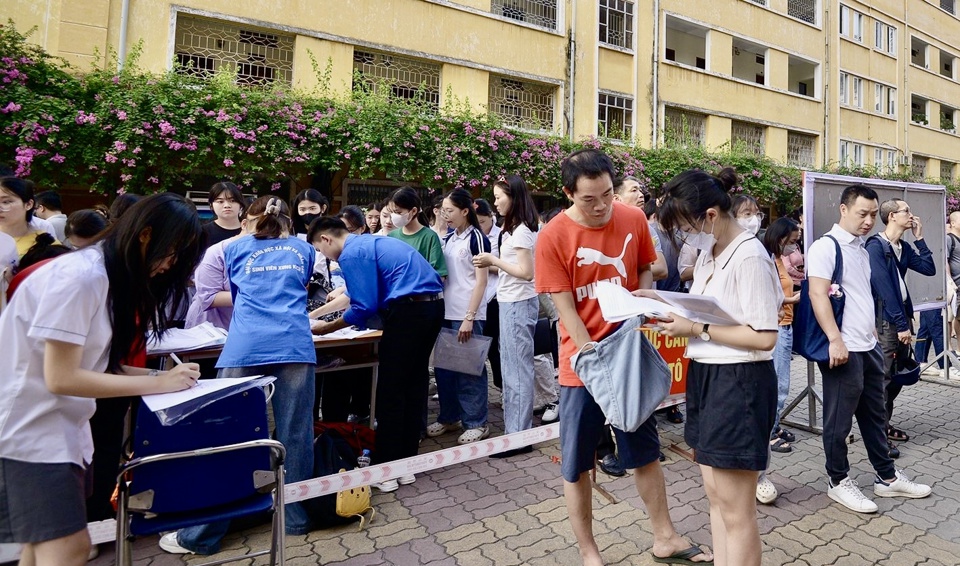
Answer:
(508, 512)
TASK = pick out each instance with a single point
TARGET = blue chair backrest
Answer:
(208, 481)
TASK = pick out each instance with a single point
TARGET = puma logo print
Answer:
(589, 256)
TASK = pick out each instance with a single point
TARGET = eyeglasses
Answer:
(907, 210)
(760, 216)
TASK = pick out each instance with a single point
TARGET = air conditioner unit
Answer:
(905, 160)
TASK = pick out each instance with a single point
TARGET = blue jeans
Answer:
(517, 323)
(293, 413)
(462, 397)
(931, 331)
(782, 353)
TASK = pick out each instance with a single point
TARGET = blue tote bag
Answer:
(809, 340)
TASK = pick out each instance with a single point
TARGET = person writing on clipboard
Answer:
(731, 382)
(405, 299)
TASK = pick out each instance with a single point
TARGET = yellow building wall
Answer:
(465, 85)
(615, 71)
(329, 55)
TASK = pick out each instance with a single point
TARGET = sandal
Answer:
(674, 415)
(897, 435)
(780, 445)
(683, 557)
(474, 434)
(785, 434)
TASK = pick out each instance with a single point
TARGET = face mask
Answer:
(751, 224)
(701, 240)
(308, 219)
(789, 249)
(399, 220)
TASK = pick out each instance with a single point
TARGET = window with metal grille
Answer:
(522, 104)
(948, 6)
(616, 23)
(918, 167)
(615, 116)
(684, 129)
(361, 192)
(801, 150)
(946, 170)
(258, 57)
(761, 2)
(805, 10)
(402, 77)
(749, 137)
(541, 13)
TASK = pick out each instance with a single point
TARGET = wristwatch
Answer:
(705, 333)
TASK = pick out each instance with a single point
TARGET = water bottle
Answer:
(363, 460)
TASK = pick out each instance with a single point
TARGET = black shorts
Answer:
(730, 413)
(40, 502)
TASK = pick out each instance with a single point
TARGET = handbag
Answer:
(809, 340)
(906, 369)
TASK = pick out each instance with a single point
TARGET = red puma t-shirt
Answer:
(573, 257)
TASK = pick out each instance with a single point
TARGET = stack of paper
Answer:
(348, 333)
(618, 304)
(204, 335)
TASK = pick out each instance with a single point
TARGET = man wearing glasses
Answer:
(890, 258)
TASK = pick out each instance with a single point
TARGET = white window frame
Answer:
(858, 154)
(857, 92)
(878, 34)
(858, 26)
(845, 21)
(892, 40)
(844, 88)
(891, 101)
(844, 153)
(878, 98)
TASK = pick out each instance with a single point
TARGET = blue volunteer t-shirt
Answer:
(268, 282)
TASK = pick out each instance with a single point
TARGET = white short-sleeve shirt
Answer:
(65, 300)
(493, 279)
(859, 311)
(744, 280)
(461, 276)
(513, 289)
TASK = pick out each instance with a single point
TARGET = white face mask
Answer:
(751, 224)
(790, 249)
(399, 220)
(701, 240)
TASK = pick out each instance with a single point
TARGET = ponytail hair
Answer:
(273, 217)
(407, 198)
(42, 249)
(688, 196)
(461, 199)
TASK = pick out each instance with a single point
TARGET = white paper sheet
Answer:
(203, 335)
(618, 304)
(343, 334)
(162, 401)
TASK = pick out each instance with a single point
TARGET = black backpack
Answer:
(331, 454)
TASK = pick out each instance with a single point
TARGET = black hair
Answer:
(619, 182)
(138, 302)
(483, 207)
(408, 199)
(551, 214)
(853, 192)
(49, 199)
(779, 230)
(589, 163)
(85, 223)
(355, 215)
(796, 214)
(312, 195)
(326, 225)
(43, 248)
(121, 204)
(650, 207)
(273, 217)
(522, 208)
(741, 201)
(232, 191)
(461, 199)
(688, 196)
(22, 189)
(372, 206)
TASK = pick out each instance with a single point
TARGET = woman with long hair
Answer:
(517, 299)
(463, 397)
(306, 207)
(16, 213)
(226, 202)
(354, 219)
(731, 382)
(409, 218)
(65, 334)
(268, 281)
(372, 215)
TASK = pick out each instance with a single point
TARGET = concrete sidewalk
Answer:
(507, 512)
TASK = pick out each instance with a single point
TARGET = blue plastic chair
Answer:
(217, 464)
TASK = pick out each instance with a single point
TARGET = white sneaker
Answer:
(551, 413)
(169, 543)
(406, 480)
(848, 494)
(94, 552)
(436, 429)
(387, 486)
(901, 487)
(766, 491)
(932, 371)
(954, 373)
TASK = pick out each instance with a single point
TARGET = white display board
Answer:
(821, 210)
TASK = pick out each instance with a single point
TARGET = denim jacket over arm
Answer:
(884, 280)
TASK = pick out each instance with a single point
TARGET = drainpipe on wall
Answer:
(572, 53)
(124, 18)
(827, 91)
(655, 95)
